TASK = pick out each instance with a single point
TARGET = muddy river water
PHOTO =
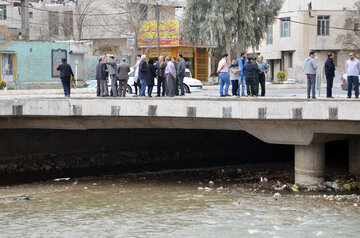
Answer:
(116, 207)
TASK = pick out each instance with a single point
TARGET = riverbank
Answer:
(273, 179)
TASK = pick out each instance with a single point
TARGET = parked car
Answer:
(344, 84)
(190, 84)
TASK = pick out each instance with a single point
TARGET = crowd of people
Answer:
(244, 72)
(169, 74)
(352, 74)
(249, 73)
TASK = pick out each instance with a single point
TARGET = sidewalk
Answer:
(274, 86)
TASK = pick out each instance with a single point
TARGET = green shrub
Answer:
(281, 76)
(2, 84)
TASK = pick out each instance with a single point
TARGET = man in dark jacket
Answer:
(249, 73)
(181, 73)
(150, 76)
(101, 78)
(65, 75)
(330, 74)
(142, 74)
(160, 69)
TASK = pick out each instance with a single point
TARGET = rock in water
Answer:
(211, 183)
(22, 199)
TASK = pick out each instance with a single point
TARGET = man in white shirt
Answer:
(353, 71)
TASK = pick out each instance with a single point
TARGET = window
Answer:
(31, 15)
(2, 12)
(290, 59)
(143, 12)
(7, 64)
(323, 26)
(269, 38)
(285, 27)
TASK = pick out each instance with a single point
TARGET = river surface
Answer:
(116, 207)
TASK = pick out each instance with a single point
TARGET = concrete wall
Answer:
(295, 122)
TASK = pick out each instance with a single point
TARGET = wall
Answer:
(34, 59)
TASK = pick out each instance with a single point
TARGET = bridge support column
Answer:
(309, 164)
(354, 156)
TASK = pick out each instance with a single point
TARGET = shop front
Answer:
(195, 55)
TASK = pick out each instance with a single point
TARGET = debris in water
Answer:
(61, 179)
(22, 199)
(331, 185)
(277, 195)
(263, 179)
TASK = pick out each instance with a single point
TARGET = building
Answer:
(303, 26)
(32, 64)
(82, 29)
(111, 25)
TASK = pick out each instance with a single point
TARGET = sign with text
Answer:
(169, 33)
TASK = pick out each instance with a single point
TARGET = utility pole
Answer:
(25, 20)
(158, 27)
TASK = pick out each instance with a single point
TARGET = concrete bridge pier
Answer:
(354, 156)
(310, 164)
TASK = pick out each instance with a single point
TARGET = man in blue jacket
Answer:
(330, 74)
(241, 63)
(249, 73)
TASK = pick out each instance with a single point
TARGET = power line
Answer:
(310, 24)
(45, 24)
(76, 14)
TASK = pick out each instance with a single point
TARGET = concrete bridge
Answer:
(306, 124)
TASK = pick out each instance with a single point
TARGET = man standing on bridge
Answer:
(123, 71)
(263, 70)
(330, 74)
(310, 71)
(223, 72)
(353, 71)
(113, 75)
(181, 73)
(65, 75)
(170, 73)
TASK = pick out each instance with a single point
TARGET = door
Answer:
(7, 67)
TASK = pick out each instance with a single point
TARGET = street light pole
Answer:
(158, 27)
(25, 19)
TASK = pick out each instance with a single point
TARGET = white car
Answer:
(190, 84)
(344, 84)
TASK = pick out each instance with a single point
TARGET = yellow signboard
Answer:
(169, 33)
(153, 52)
(187, 52)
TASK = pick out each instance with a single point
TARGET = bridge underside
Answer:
(29, 135)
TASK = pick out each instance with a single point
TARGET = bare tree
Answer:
(83, 8)
(351, 39)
